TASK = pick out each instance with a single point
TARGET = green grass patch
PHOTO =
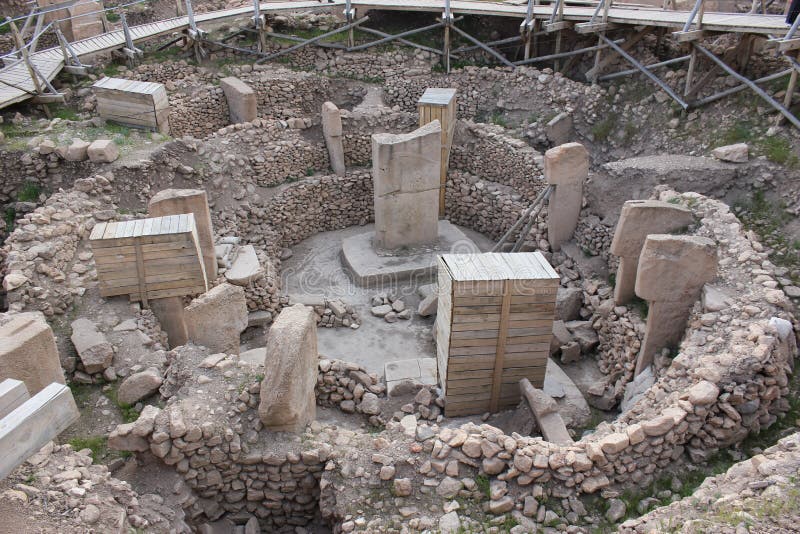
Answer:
(10, 216)
(778, 150)
(97, 444)
(112, 17)
(81, 393)
(482, 481)
(65, 113)
(128, 412)
(29, 192)
(602, 130)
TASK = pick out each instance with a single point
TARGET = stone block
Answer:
(242, 103)
(674, 268)
(77, 151)
(332, 131)
(102, 151)
(405, 171)
(194, 201)
(216, 318)
(139, 386)
(738, 153)
(566, 167)
(28, 352)
(559, 129)
(638, 219)
(95, 352)
(245, 267)
(290, 371)
(170, 315)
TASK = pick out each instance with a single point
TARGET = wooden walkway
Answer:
(16, 84)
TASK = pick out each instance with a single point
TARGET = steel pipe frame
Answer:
(756, 89)
(312, 40)
(565, 54)
(539, 199)
(390, 38)
(402, 41)
(628, 72)
(738, 88)
(630, 59)
(507, 40)
(531, 220)
(491, 51)
(297, 39)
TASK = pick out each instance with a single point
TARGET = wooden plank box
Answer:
(440, 104)
(133, 103)
(149, 258)
(493, 328)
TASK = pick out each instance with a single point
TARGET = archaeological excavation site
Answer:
(384, 266)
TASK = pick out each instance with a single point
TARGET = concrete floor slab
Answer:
(315, 272)
(372, 268)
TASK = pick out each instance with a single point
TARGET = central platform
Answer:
(373, 268)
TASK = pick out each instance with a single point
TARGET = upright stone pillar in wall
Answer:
(195, 201)
(28, 352)
(217, 318)
(671, 274)
(241, 98)
(176, 202)
(332, 130)
(566, 167)
(290, 371)
(405, 172)
(637, 220)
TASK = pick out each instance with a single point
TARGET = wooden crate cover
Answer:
(149, 258)
(133, 103)
(493, 327)
(440, 104)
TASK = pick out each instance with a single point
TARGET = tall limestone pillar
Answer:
(405, 172)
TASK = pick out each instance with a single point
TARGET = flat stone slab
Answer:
(572, 406)
(374, 268)
(412, 372)
(245, 267)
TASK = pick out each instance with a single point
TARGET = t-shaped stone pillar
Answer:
(28, 352)
(405, 172)
(671, 274)
(566, 167)
(288, 402)
(332, 131)
(637, 220)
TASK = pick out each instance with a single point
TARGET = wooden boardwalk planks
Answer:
(149, 258)
(493, 328)
(50, 61)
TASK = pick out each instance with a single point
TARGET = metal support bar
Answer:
(738, 88)
(760, 92)
(401, 41)
(531, 221)
(692, 15)
(394, 37)
(507, 40)
(564, 54)
(628, 72)
(312, 40)
(539, 199)
(667, 89)
(491, 51)
(301, 40)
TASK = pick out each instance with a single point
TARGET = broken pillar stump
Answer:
(332, 131)
(288, 401)
(671, 273)
(545, 412)
(405, 171)
(28, 352)
(217, 318)
(169, 312)
(241, 98)
(637, 220)
(566, 167)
